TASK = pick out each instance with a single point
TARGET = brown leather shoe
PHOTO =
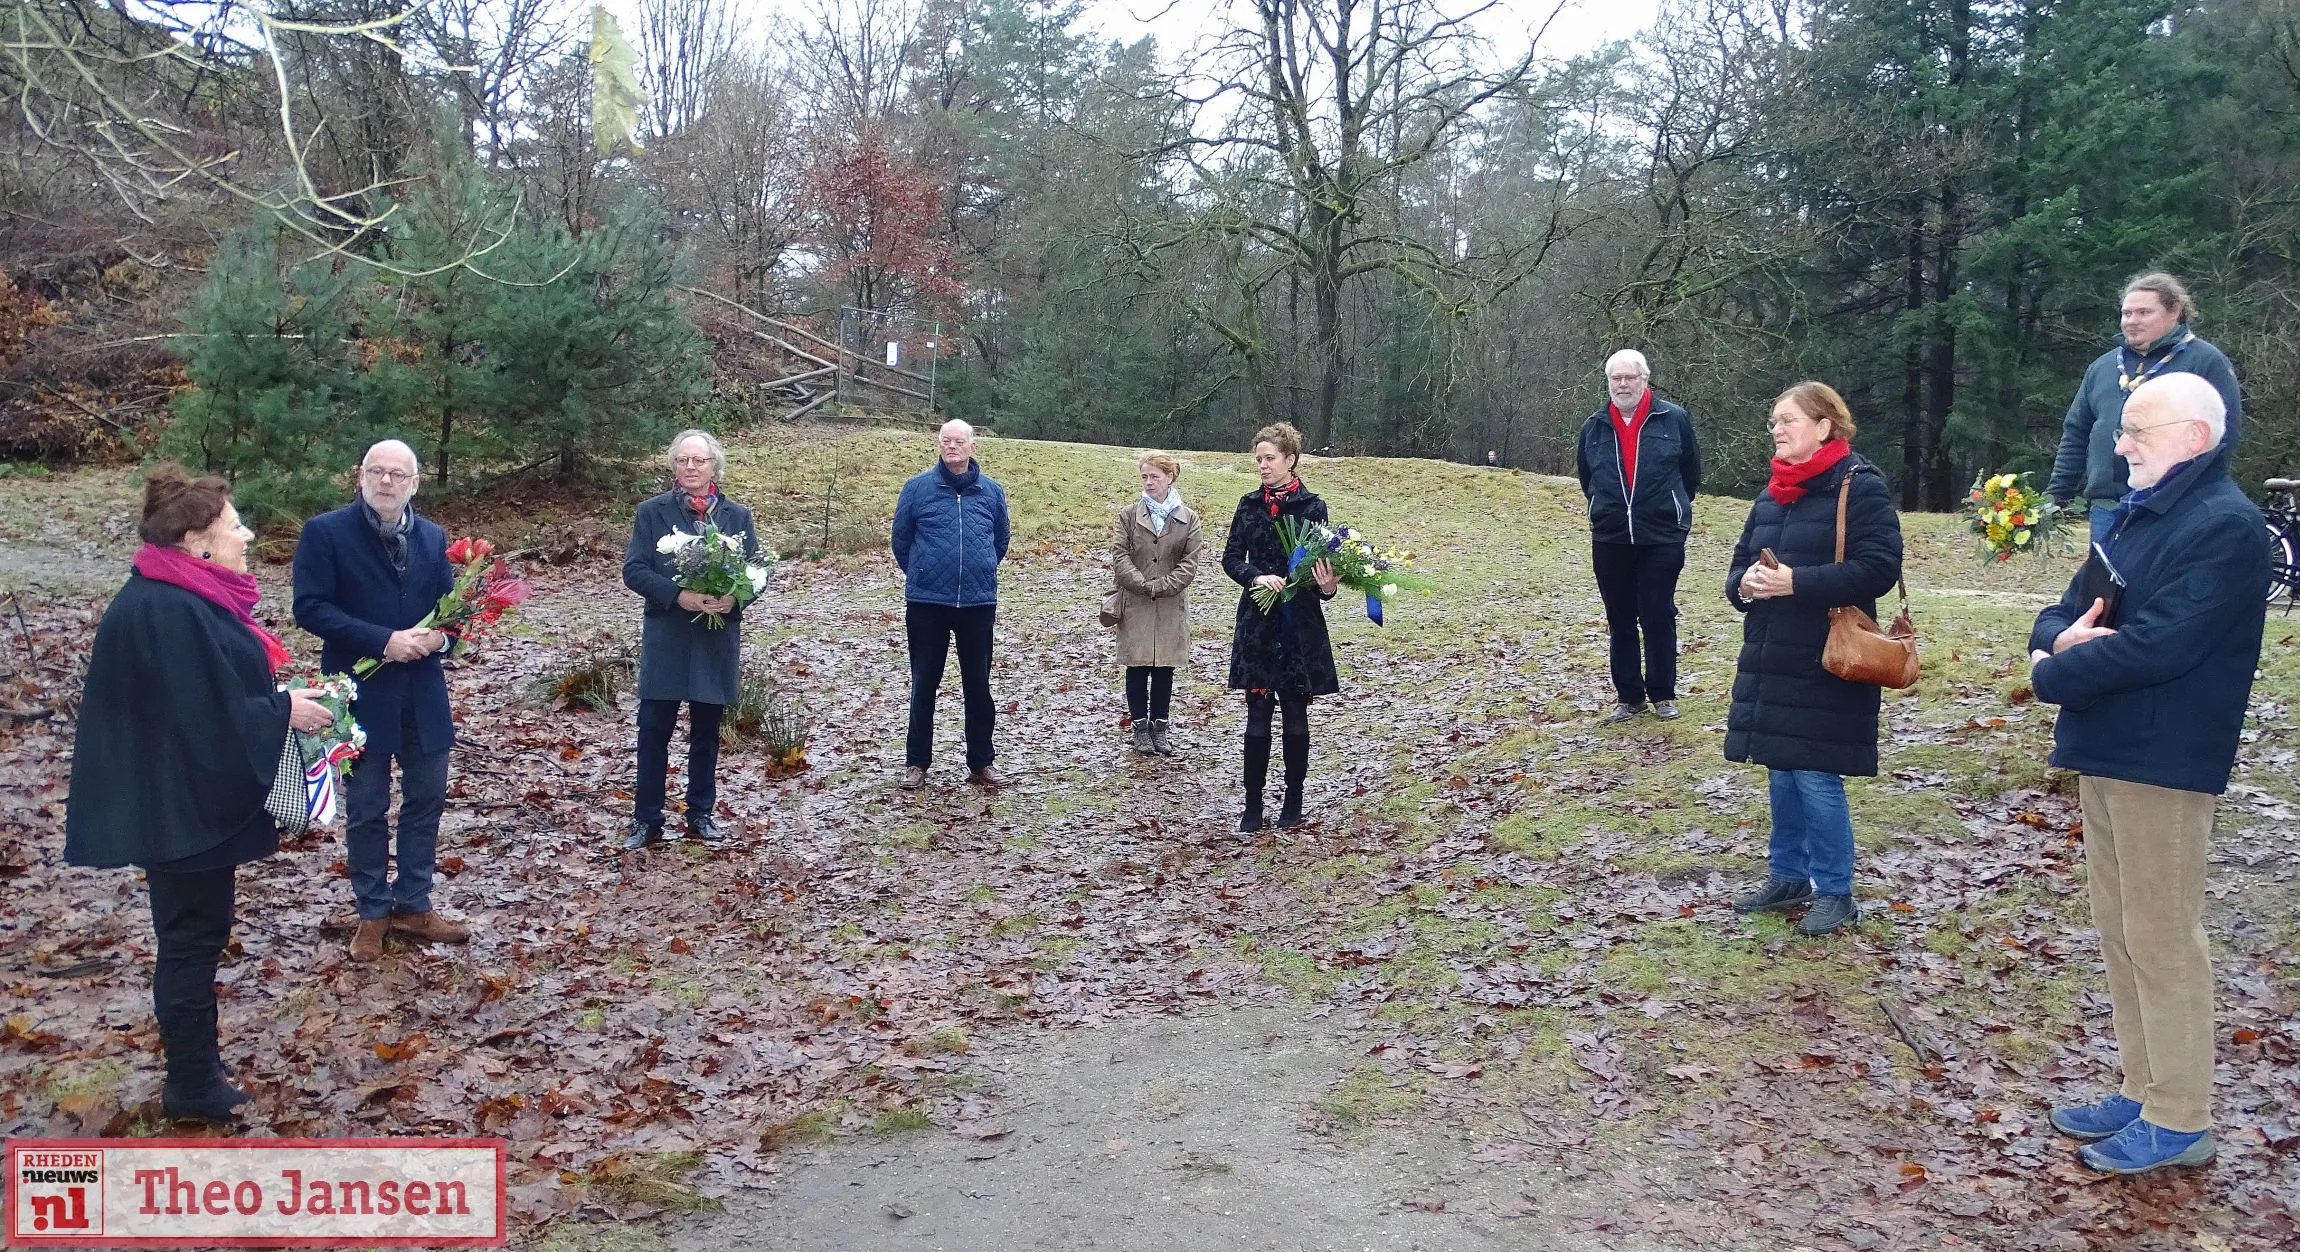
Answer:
(913, 778)
(988, 776)
(430, 927)
(367, 941)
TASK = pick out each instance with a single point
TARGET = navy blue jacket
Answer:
(2087, 464)
(2162, 700)
(1668, 473)
(950, 533)
(1788, 712)
(347, 593)
(681, 658)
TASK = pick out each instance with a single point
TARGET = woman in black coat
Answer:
(682, 657)
(1280, 659)
(1806, 725)
(180, 737)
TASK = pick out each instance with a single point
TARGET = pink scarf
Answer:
(214, 584)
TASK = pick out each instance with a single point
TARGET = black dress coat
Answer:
(681, 658)
(180, 733)
(1286, 649)
(348, 593)
(1789, 713)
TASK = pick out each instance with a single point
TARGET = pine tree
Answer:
(269, 404)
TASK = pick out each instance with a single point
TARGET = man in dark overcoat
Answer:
(365, 574)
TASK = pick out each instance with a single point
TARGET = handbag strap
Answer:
(1844, 494)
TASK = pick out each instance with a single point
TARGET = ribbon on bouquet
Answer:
(1373, 602)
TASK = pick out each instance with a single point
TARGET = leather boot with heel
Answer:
(1257, 774)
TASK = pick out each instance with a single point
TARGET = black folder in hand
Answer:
(2098, 580)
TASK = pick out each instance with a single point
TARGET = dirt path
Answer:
(1200, 1132)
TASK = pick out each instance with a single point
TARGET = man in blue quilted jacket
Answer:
(950, 533)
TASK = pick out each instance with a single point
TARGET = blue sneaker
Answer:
(2097, 1120)
(2142, 1146)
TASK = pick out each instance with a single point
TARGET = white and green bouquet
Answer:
(328, 754)
(1380, 574)
(711, 562)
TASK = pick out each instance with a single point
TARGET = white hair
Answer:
(963, 425)
(710, 445)
(1630, 356)
(2185, 398)
(391, 445)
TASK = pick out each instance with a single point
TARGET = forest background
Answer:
(254, 236)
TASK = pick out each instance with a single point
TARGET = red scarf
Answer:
(1625, 430)
(1272, 497)
(1788, 485)
(214, 584)
(702, 504)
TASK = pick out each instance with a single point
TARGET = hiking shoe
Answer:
(1666, 710)
(367, 941)
(1143, 743)
(641, 834)
(1621, 713)
(1776, 896)
(1828, 915)
(2142, 1146)
(2097, 1120)
(430, 927)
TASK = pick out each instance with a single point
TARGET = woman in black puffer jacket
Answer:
(1280, 659)
(1807, 726)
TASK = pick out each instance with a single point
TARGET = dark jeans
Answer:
(656, 718)
(932, 627)
(1149, 692)
(1638, 583)
(192, 920)
(367, 832)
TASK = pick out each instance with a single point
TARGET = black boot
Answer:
(1257, 773)
(195, 1086)
(1297, 750)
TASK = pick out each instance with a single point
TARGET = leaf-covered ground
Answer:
(1518, 917)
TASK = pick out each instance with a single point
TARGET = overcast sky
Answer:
(1584, 24)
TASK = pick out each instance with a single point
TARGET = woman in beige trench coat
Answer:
(1155, 547)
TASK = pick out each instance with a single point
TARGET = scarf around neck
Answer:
(1272, 497)
(214, 584)
(2134, 367)
(1788, 484)
(393, 534)
(702, 505)
(1160, 512)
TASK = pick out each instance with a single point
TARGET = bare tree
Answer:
(1310, 111)
(682, 44)
(487, 51)
(853, 58)
(737, 172)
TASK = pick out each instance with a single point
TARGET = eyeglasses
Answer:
(2127, 431)
(394, 476)
(689, 462)
(1625, 378)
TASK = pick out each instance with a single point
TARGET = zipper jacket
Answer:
(1658, 507)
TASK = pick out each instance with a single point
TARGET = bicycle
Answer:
(2283, 518)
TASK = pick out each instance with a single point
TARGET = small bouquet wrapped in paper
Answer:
(1379, 574)
(711, 562)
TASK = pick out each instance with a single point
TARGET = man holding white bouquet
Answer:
(694, 558)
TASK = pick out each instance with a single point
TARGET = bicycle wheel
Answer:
(2283, 560)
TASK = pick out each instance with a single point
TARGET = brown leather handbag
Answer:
(1859, 650)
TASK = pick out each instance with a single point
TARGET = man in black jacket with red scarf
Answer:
(1639, 468)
